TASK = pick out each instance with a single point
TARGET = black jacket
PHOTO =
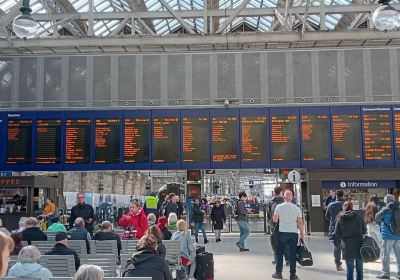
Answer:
(350, 228)
(171, 208)
(33, 234)
(331, 213)
(100, 235)
(78, 233)
(166, 234)
(161, 250)
(179, 206)
(84, 211)
(218, 217)
(61, 249)
(197, 215)
(147, 263)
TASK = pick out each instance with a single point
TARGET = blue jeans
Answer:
(201, 226)
(244, 231)
(289, 239)
(337, 250)
(386, 249)
(350, 269)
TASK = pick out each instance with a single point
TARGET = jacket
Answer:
(166, 233)
(384, 219)
(241, 211)
(61, 249)
(187, 249)
(171, 208)
(137, 221)
(218, 217)
(331, 213)
(84, 211)
(29, 270)
(33, 234)
(172, 227)
(197, 215)
(272, 206)
(57, 227)
(146, 263)
(161, 250)
(79, 233)
(100, 235)
(350, 228)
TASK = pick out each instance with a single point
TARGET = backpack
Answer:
(235, 209)
(369, 250)
(395, 224)
(128, 267)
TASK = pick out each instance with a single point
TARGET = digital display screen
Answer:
(377, 135)
(254, 135)
(224, 140)
(136, 140)
(19, 142)
(315, 137)
(107, 141)
(195, 139)
(346, 137)
(77, 141)
(165, 140)
(397, 133)
(284, 135)
(48, 141)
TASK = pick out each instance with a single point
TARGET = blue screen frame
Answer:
(226, 113)
(166, 113)
(347, 163)
(136, 114)
(314, 111)
(3, 140)
(283, 112)
(191, 113)
(379, 163)
(255, 112)
(395, 109)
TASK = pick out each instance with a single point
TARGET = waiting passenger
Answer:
(146, 262)
(162, 225)
(154, 230)
(89, 272)
(17, 237)
(198, 216)
(106, 233)
(32, 232)
(151, 219)
(56, 225)
(218, 219)
(371, 210)
(6, 246)
(60, 248)
(28, 266)
(80, 233)
(136, 219)
(172, 220)
(3, 229)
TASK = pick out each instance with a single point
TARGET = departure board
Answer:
(19, 142)
(284, 137)
(107, 141)
(136, 140)
(224, 140)
(195, 139)
(77, 141)
(315, 137)
(254, 138)
(48, 141)
(377, 134)
(346, 137)
(165, 140)
(396, 117)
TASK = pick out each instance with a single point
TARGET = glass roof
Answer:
(165, 26)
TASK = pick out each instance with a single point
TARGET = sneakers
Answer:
(206, 241)
(244, 249)
(293, 277)
(277, 275)
(218, 240)
(383, 277)
(339, 266)
(239, 245)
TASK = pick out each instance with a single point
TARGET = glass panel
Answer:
(77, 81)
(201, 78)
(380, 70)
(354, 71)
(27, 81)
(226, 75)
(102, 80)
(52, 82)
(6, 82)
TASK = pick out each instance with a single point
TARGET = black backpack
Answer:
(128, 267)
(395, 224)
(369, 250)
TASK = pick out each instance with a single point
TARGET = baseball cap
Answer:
(61, 236)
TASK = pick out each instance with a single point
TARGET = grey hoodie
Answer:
(31, 270)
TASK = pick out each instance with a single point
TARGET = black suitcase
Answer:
(200, 249)
(204, 266)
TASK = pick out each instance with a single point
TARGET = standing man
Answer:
(241, 219)
(151, 205)
(179, 206)
(171, 206)
(331, 198)
(84, 211)
(330, 215)
(288, 215)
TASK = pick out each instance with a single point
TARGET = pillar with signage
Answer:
(193, 189)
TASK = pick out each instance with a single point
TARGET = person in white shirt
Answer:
(290, 220)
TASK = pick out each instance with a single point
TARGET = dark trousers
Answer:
(289, 239)
(337, 251)
(350, 269)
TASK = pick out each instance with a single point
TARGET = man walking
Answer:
(330, 215)
(288, 215)
(241, 219)
(84, 211)
(390, 239)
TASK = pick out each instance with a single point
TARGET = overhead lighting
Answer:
(24, 26)
(385, 17)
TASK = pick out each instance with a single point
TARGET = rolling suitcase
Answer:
(204, 266)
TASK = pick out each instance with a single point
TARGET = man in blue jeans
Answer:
(290, 220)
(241, 219)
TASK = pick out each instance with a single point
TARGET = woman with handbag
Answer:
(350, 229)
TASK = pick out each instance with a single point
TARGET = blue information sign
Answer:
(359, 184)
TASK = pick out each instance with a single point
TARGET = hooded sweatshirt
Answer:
(147, 263)
(136, 221)
(29, 270)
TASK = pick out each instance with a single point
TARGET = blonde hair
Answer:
(89, 272)
(151, 217)
(31, 221)
(5, 242)
(172, 218)
(181, 225)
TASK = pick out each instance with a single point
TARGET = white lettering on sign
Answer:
(14, 115)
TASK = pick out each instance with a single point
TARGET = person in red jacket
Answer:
(135, 219)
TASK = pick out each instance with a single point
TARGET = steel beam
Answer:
(232, 16)
(177, 17)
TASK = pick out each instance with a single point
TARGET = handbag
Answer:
(303, 256)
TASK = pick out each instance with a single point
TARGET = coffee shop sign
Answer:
(10, 182)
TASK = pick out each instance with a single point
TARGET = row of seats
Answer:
(70, 278)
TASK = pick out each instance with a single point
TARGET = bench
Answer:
(59, 266)
(51, 235)
(105, 278)
(128, 246)
(173, 249)
(124, 260)
(104, 247)
(78, 245)
(43, 246)
(106, 261)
